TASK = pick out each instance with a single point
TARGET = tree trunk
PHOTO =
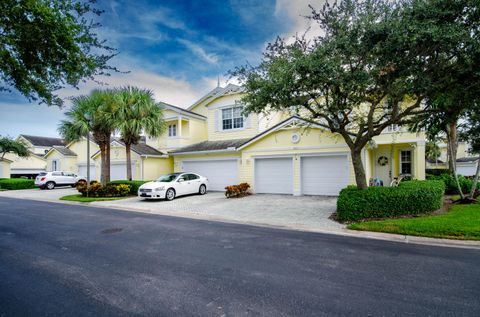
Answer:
(129, 161)
(475, 180)
(452, 151)
(360, 176)
(103, 160)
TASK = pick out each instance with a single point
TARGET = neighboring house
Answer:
(285, 154)
(5, 168)
(35, 163)
(39, 145)
(72, 157)
(466, 162)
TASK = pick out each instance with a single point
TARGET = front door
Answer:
(383, 166)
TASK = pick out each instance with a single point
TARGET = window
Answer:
(232, 118)
(393, 128)
(55, 165)
(191, 177)
(406, 162)
(57, 174)
(172, 130)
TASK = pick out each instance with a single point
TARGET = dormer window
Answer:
(232, 118)
(172, 130)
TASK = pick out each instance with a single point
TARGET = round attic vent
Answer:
(295, 138)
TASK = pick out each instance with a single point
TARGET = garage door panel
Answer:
(119, 171)
(324, 175)
(220, 173)
(274, 176)
(82, 171)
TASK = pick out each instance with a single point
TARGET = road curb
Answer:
(467, 244)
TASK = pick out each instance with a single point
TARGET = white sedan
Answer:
(172, 185)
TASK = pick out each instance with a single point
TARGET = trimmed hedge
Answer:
(410, 198)
(134, 185)
(17, 183)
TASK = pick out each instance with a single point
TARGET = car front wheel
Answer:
(170, 194)
(50, 185)
(202, 190)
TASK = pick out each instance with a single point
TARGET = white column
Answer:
(179, 127)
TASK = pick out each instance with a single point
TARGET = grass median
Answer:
(461, 222)
(83, 199)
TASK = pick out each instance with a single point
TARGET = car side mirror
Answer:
(181, 180)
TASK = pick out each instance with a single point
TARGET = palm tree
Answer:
(91, 114)
(137, 111)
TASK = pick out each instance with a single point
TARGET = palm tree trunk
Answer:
(129, 161)
(103, 160)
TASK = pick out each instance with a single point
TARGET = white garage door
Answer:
(119, 171)
(324, 175)
(220, 173)
(274, 175)
(82, 171)
(466, 169)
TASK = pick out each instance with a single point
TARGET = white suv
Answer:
(49, 180)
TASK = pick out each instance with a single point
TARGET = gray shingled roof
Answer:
(432, 161)
(182, 109)
(64, 150)
(43, 141)
(144, 149)
(211, 146)
(140, 148)
(467, 159)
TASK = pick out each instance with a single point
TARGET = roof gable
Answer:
(215, 93)
(64, 151)
(293, 122)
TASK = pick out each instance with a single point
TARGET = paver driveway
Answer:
(304, 212)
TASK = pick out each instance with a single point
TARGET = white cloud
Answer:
(199, 51)
(297, 11)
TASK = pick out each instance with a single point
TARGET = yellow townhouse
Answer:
(284, 154)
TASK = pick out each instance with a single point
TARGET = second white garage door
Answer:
(119, 171)
(82, 171)
(324, 175)
(220, 173)
(274, 175)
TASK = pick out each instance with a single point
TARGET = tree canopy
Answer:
(46, 45)
(9, 145)
(374, 65)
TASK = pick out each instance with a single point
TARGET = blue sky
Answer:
(176, 48)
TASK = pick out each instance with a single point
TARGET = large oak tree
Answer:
(46, 45)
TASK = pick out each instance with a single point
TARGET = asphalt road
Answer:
(64, 260)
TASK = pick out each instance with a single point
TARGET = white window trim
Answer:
(412, 170)
(231, 107)
(170, 126)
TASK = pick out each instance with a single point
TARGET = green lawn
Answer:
(80, 198)
(461, 222)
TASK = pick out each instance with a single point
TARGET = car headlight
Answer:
(159, 188)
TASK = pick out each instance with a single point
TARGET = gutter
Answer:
(228, 150)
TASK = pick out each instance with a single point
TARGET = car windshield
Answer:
(168, 178)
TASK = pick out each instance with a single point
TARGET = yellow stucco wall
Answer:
(4, 169)
(80, 148)
(154, 167)
(67, 163)
(30, 162)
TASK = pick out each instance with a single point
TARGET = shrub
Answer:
(239, 190)
(413, 197)
(17, 183)
(97, 190)
(450, 184)
(134, 185)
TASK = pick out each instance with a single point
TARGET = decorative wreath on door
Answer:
(383, 160)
